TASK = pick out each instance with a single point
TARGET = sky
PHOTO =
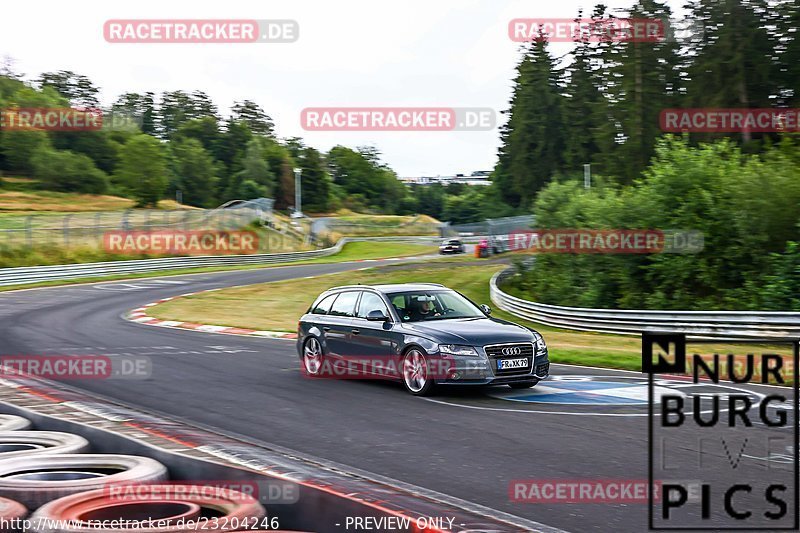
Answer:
(350, 53)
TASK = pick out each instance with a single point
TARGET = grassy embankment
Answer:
(277, 305)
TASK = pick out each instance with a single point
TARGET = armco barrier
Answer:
(752, 325)
(38, 274)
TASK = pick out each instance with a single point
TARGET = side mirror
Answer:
(377, 316)
(486, 309)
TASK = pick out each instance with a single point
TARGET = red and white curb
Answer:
(140, 316)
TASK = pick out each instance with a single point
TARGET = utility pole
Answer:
(587, 176)
(298, 196)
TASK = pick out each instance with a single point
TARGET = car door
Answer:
(338, 322)
(372, 341)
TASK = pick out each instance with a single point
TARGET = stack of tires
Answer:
(53, 475)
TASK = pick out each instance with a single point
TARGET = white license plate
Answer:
(507, 364)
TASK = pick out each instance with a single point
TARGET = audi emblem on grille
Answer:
(512, 350)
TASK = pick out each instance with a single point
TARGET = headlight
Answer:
(455, 349)
(540, 345)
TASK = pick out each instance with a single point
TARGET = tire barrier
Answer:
(26, 443)
(38, 479)
(317, 500)
(154, 509)
(13, 423)
(11, 510)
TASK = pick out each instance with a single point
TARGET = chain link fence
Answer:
(88, 228)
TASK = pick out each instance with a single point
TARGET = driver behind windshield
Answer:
(424, 308)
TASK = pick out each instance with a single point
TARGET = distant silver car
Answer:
(452, 246)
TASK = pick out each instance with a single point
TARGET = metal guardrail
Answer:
(38, 274)
(766, 325)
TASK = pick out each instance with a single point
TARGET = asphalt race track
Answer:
(471, 444)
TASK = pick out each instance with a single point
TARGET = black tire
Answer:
(420, 382)
(523, 384)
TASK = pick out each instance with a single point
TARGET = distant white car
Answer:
(452, 246)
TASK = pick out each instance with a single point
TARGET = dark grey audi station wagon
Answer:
(422, 334)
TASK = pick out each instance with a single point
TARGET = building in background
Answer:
(479, 177)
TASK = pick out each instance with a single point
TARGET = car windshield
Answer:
(418, 306)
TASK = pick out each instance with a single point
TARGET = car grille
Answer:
(495, 352)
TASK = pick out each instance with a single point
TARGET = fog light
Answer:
(455, 375)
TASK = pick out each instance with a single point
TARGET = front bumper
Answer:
(478, 371)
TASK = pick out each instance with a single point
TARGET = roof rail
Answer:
(434, 284)
(358, 286)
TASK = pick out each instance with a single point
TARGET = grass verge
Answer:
(277, 306)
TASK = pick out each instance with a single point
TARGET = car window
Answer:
(345, 304)
(324, 306)
(371, 302)
(435, 305)
(399, 303)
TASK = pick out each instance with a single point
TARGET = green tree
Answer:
(585, 109)
(316, 184)
(280, 161)
(742, 204)
(362, 172)
(140, 107)
(256, 177)
(18, 147)
(143, 170)
(78, 89)
(532, 143)
(733, 62)
(177, 107)
(430, 199)
(195, 173)
(641, 78)
(97, 145)
(254, 117)
(61, 170)
(205, 130)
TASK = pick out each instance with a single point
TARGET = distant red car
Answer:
(482, 249)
